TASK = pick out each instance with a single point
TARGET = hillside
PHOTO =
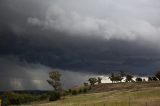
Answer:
(105, 87)
(118, 94)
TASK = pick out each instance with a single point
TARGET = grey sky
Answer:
(81, 36)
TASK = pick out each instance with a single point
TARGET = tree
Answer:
(99, 80)
(153, 78)
(80, 91)
(149, 78)
(54, 96)
(84, 90)
(122, 73)
(69, 90)
(85, 84)
(55, 80)
(129, 78)
(158, 75)
(112, 78)
(138, 79)
(118, 78)
(144, 80)
(74, 92)
(92, 81)
(115, 77)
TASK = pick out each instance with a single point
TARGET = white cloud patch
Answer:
(74, 23)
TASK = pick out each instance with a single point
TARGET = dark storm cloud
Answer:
(70, 53)
(99, 38)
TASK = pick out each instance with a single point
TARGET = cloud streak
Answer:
(130, 29)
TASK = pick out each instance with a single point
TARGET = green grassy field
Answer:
(132, 97)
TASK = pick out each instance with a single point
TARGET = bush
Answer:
(158, 75)
(85, 90)
(12, 98)
(85, 84)
(80, 91)
(54, 96)
(70, 90)
(43, 96)
(138, 79)
(74, 92)
(89, 88)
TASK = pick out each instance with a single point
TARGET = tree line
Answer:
(123, 76)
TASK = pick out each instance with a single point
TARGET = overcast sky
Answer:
(80, 37)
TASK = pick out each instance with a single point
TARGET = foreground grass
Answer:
(143, 97)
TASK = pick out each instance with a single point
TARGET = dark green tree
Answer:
(129, 78)
(112, 77)
(80, 91)
(152, 78)
(54, 96)
(69, 90)
(55, 80)
(122, 73)
(85, 84)
(74, 92)
(158, 75)
(149, 78)
(92, 81)
(118, 78)
(84, 90)
(99, 80)
(138, 79)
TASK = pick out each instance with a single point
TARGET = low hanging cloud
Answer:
(16, 75)
(26, 76)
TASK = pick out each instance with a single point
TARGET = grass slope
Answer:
(142, 94)
(124, 86)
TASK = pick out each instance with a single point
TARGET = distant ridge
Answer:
(33, 92)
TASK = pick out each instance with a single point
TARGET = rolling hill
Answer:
(117, 94)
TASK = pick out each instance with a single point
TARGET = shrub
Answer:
(80, 91)
(16, 98)
(54, 96)
(70, 90)
(138, 79)
(85, 84)
(158, 75)
(5, 102)
(43, 96)
(89, 88)
(84, 90)
(92, 81)
(74, 92)
(12, 98)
